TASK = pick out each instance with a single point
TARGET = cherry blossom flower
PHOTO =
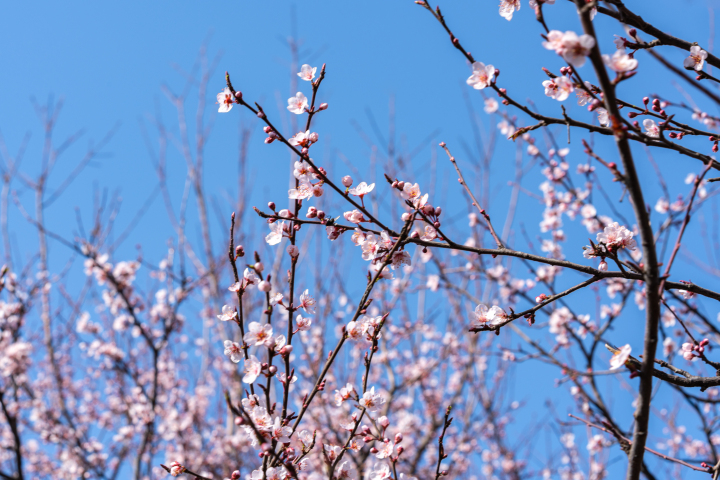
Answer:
(430, 234)
(615, 237)
(696, 60)
(385, 449)
(620, 62)
(651, 128)
(412, 193)
(603, 117)
(276, 233)
(275, 299)
(281, 433)
(303, 139)
(371, 401)
(298, 103)
(620, 357)
(233, 350)
(558, 88)
(583, 97)
(346, 471)
(355, 216)
(302, 170)
(491, 105)
(228, 313)
(362, 189)
(258, 335)
(687, 295)
(226, 100)
(492, 315)
(307, 302)
(249, 278)
(508, 7)
(380, 471)
(400, 258)
(307, 72)
(252, 369)
(176, 469)
(305, 190)
(303, 323)
(568, 45)
(345, 393)
(334, 232)
(669, 346)
(482, 76)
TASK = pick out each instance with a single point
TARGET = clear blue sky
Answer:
(109, 61)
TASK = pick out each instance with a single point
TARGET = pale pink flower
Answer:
(302, 170)
(249, 278)
(662, 206)
(619, 42)
(228, 313)
(176, 469)
(252, 369)
(433, 282)
(430, 234)
(258, 335)
(371, 401)
(616, 236)
(303, 139)
(385, 449)
(355, 216)
(345, 393)
(558, 88)
(298, 103)
(572, 48)
(412, 193)
(491, 105)
(276, 233)
(305, 190)
(669, 346)
(226, 100)
(362, 189)
(380, 471)
(583, 97)
(293, 251)
(508, 7)
(603, 117)
(687, 295)
(275, 299)
(307, 72)
(233, 350)
(620, 357)
(482, 75)
(651, 128)
(554, 41)
(334, 232)
(620, 61)
(696, 60)
(303, 323)
(491, 315)
(307, 302)
(281, 433)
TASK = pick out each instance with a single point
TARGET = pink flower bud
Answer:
(373, 450)
(603, 266)
(398, 437)
(632, 32)
(400, 449)
(259, 267)
(367, 439)
(436, 224)
(715, 148)
(401, 185)
(383, 421)
(314, 137)
(405, 217)
(269, 140)
(428, 209)
(320, 214)
(704, 342)
(239, 421)
(347, 181)
(632, 114)
(238, 95)
(304, 151)
(293, 251)
(267, 129)
(261, 114)
(286, 350)
(272, 370)
(239, 251)
(688, 356)
(264, 286)
(415, 234)
(323, 106)
(311, 213)
(646, 100)
(541, 298)
(271, 206)
(438, 211)
(235, 475)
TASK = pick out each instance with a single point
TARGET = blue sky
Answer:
(109, 63)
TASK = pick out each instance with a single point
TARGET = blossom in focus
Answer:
(603, 117)
(508, 7)
(696, 60)
(276, 233)
(303, 139)
(362, 189)
(307, 72)
(651, 128)
(298, 103)
(482, 75)
(573, 48)
(176, 469)
(620, 62)
(558, 88)
(620, 357)
(430, 234)
(307, 302)
(345, 393)
(371, 401)
(233, 350)
(252, 369)
(616, 236)
(303, 323)
(412, 193)
(228, 313)
(355, 216)
(226, 100)
(491, 315)
(258, 334)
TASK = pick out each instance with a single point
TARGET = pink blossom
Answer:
(508, 7)
(176, 469)
(252, 369)
(430, 234)
(620, 357)
(482, 76)
(491, 105)
(651, 128)
(303, 323)
(355, 216)
(307, 72)
(696, 60)
(226, 100)
(669, 346)
(258, 335)
(345, 393)
(276, 233)
(620, 61)
(603, 118)
(572, 48)
(228, 313)
(412, 192)
(303, 139)
(615, 236)
(558, 88)
(281, 433)
(491, 315)
(297, 104)
(233, 350)
(371, 401)
(307, 302)
(362, 189)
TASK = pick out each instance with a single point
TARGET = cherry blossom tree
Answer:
(292, 362)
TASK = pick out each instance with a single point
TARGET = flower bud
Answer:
(293, 251)
(323, 106)
(272, 370)
(269, 140)
(235, 475)
(365, 430)
(238, 95)
(239, 421)
(239, 251)
(715, 148)
(304, 151)
(401, 185)
(271, 206)
(632, 32)
(438, 211)
(405, 217)
(267, 129)
(632, 114)
(400, 449)
(320, 214)
(398, 437)
(646, 100)
(311, 213)
(383, 421)
(286, 350)
(264, 286)
(373, 450)
(313, 137)
(541, 298)
(436, 224)
(259, 267)
(367, 439)
(415, 234)
(261, 114)
(428, 209)
(347, 181)
(603, 266)
(704, 342)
